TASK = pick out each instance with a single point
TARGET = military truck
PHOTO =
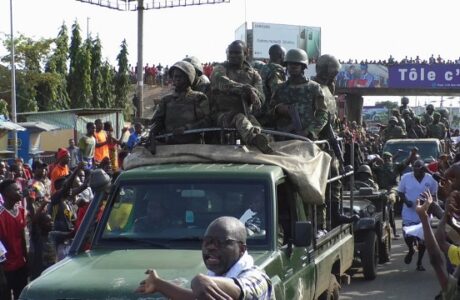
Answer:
(191, 185)
(428, 149)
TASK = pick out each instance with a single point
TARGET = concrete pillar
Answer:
(354, 107)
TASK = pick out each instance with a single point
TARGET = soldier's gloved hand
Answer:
(282, 110)
(178, 131)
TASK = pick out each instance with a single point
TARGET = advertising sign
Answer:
(362, 76)
(288, 36)
(437, 76)
(240, 33)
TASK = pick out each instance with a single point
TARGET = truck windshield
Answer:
(426, 150)
(176, 214)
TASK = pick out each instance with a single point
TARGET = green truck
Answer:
(177, 192)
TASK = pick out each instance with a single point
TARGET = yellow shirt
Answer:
(454, 255)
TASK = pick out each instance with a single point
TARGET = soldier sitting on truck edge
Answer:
(236, 91)
(182, 110)
(231, 270)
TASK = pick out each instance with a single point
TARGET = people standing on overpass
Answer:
(427, 117)
(436, 129)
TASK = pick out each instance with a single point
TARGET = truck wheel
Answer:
(332, 292)
(385, 248)
(370, 255)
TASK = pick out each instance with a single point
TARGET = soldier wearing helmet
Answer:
(236, 91)
(436, 129)
(183, 109)
(409, 123)
(393, 130)
(273, 75)
(405, 105)
(444, 117)
(427, 117)
(300, 94)
(201, 82)
(364, 178)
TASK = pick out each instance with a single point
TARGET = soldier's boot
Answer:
(261, 142)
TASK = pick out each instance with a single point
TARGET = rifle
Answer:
(331, 137)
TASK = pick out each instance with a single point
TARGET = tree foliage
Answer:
(107, 86)
(122, 84)
(96, 75)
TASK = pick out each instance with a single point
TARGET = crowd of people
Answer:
(48, 202)
(406, 60)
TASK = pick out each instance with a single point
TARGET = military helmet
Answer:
(444, 112)
(430, 107)
(405, 100)
(196, 64)
(436, 114)
(296, 56)
(387, 154)
(393, 118)
(364, 169)
(185, 67)
(325, 61)
(405, 111)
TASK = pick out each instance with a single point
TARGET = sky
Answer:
(360, 29)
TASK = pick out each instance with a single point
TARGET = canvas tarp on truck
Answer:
(305, 164)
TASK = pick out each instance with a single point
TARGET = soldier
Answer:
(273, 75)
(427, 117)
(364, 178)
(201, 82)
(445, 119)
(327, 68)
(401, 121)
(393, 130)
(236, 89)
(409, 122)
(436, 129)
(404, 105)
(182, 110)
(419, 129)
(301, 95)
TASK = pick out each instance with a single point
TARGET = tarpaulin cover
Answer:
(306, 166)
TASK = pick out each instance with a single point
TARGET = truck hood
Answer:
(116, 274)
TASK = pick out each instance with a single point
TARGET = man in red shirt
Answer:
(12, 225)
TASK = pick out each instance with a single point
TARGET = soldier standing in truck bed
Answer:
(183, 109)
(201, 82)
(236, 90)
(273, 75)
(304, 95)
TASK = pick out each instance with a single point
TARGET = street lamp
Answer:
(140, 6)
(13, 84)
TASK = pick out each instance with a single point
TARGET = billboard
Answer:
(436, 76)
(362, 76)
(240, 33)
(288, 36)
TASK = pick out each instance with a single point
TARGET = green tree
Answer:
(57, 65)
(122, 85)
(79, 79)
(107, 86)
(4, 108)
(96, 75)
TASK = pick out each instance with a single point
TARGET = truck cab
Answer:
(156, 214)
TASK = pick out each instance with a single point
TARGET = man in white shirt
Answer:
(411, 187)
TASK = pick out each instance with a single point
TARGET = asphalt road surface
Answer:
(395, 279)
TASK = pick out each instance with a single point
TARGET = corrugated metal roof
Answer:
(39, 125)
(7, 125)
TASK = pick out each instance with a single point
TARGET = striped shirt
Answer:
(254, 284)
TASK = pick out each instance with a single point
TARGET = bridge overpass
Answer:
(357, 80)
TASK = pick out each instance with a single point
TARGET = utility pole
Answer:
(140, 59)
(13, 84)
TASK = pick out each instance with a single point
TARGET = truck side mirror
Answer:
(303, 234)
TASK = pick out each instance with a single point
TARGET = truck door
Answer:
(297, 262)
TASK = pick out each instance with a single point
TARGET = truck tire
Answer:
(332, 292)
(385, 247)
(370, 255)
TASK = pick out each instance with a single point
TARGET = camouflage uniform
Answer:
(227, 96)
(437, 131)
(393, 132)
(402, 108)
(310, 102)
(426, 119)
(187, 110)
(201, 84)
(273, 75)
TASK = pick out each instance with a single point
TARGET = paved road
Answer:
(395, 280)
